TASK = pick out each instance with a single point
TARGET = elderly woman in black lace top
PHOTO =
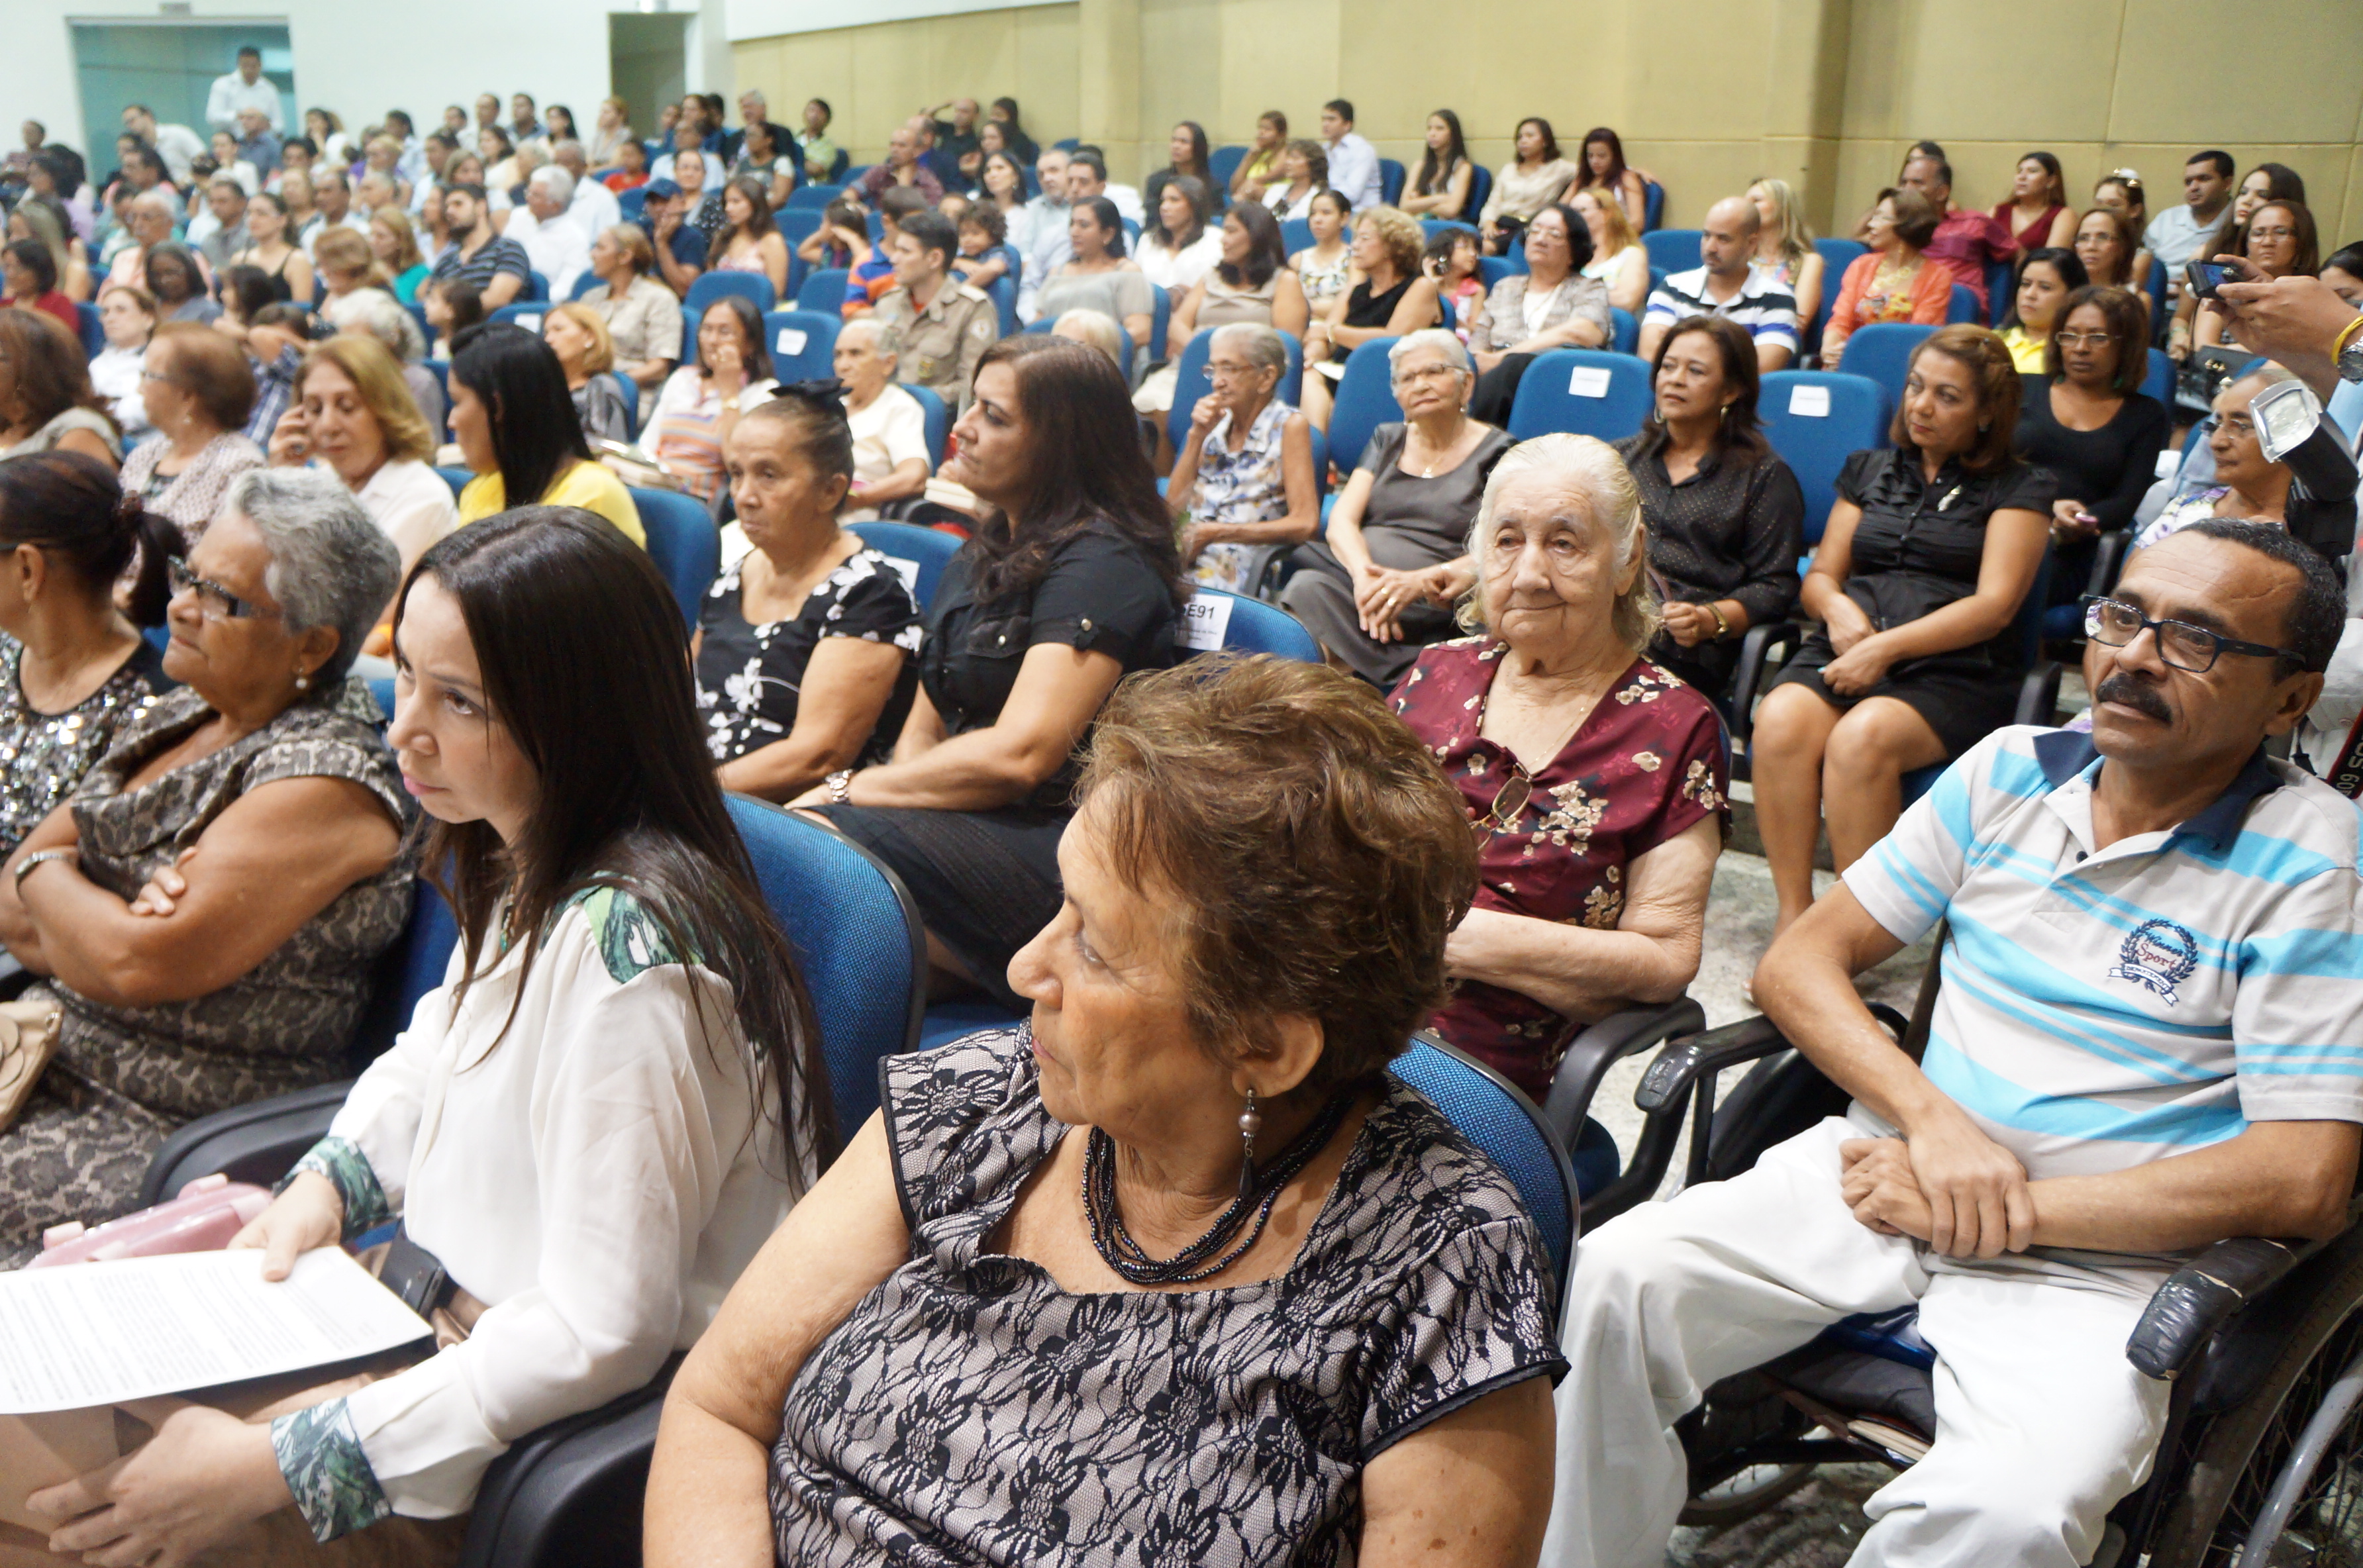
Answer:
(1176, 1272)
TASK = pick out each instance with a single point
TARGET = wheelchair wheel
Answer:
(1741, 1413)
(2250, 1453)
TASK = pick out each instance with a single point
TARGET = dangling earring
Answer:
(302, 682)
(1250, 1123)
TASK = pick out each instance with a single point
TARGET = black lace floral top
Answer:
(971, 1410)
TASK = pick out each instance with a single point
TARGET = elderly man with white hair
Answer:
(890, 430)
(1415, 487)
(593, 208)
(554, 243)
(151, 219)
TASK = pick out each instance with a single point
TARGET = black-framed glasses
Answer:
(2185, 647)
(215, 601)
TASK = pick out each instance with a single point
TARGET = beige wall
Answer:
(1706, 93)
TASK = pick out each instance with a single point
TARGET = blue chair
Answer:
(1296, 235)
(1673, 250)
(1837, 255)
(1491, 269)
(1852, 415)
(1624, 336)
(1962, 307)
(1883, 352)
(1653, 206)
(853, 176)
(1489, 1111)
(712, 286)
(1480, 188)
(631, 390)
(1223, 161)
(93, 337)
(2002, 288)
(457, 478)
(1391, 175)
(1215, 619)
(824, 292)
(527, 314)
(2159, 383)
(1431, 228)
(633, 204)
(1365, 400)
(1191, 381)
(2154, 287)
(537, 289)
(1003, 291)
(802, 343)
(583, 285)
(1068, 143)
(1582, 390)
(815, 197)
(685, 544)
(441, 371)
(796, 225)
(1657, 278)
(939, 419)
(1161, 317)
(425, 328)
(919, 554)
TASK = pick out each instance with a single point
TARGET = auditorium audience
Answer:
(1000, 189)
(2178, 233)
(749, 241)
(1260, 166)
(127, 316)
(487, 261)
(394, 243)
(1043, 222)
(28, 274)
(45, 219)
(1177, 246)
(2281, 242)
(2344, 272)
(1260, 880)
(47, 401)
(1932, 544)
(1893, 282)
(1322, 267)
(2247, 484)
(2046, 276)
(516, 431)
(610, 132)
(1100, 276)
(804, 645)
(2037, 214)
(211, 942)
(889, 428)
(1439, 188)
(1069, 583)
(74, 672)
(1243, 481)
(555, 245)
(2108, 244)
(2086, 420)
(1728, 282)
(901, 166)
(941, 326)
(1185, 158)
(1965, 239)
(701, 401)
(1595, 781)
(1096, 329)
(1619, 260)
(1603, 168)
(1452, 257)
(586, 353)
(986, 255)
(175, 275)
(1303, 174)
(352, 279)
(1353, 162)
(1726, 516)
(1360, 588)
(1784, 247)
(762, 159)
(1554, 303)
(1249, 283)
(1386, 296)
(643, 317)
(199, 390)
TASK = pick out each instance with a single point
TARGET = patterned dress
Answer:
(44, 756)
(749, 677)
(1245, 486)
(969, 1410)
(125, 1076)
(1645, 765)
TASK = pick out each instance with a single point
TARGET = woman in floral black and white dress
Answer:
(808, 607)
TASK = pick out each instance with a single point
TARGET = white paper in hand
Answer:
(1206, 621)
(105, 1332)
(1809, 401)
(790, 340)
(1588, 381)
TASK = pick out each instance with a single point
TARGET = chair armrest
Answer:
(2038, 694)
(2201, 1296)
(257, 1143)
(1598, 1046)
(1683, 1063)
(2109, 554)
(1755, 650)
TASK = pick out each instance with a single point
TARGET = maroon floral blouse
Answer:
(1646, 765)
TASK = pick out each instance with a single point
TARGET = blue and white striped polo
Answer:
(2102, 1008)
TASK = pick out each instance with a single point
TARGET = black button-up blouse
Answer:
(1919, 544)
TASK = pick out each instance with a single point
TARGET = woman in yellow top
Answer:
(2045, 278)
(516, 424)
(1260, 168)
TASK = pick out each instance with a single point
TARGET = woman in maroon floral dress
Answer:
(1594, 780)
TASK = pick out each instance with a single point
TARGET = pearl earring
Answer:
(303, 683)
(1250, 1123)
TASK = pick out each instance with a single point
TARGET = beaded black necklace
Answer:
(1258, 1190)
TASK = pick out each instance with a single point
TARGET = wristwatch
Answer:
(2350, 351)
(1722, 625)
(41, 857)
(840, 783)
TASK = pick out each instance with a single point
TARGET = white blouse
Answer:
(1178, 271)
(590, 1175)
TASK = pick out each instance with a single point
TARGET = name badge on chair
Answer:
(1810, 401)
(1588, 381)
(790, 340)
(1205, 619)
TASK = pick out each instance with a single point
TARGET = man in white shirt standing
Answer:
(245, 88)
(1353, 161)
(2175, 235)
(554, 242)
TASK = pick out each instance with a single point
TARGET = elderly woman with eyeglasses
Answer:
(1361, 590)
(1243, 480)
(210, 939)
(2248, 483)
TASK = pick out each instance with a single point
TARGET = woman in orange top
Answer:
(1892, 283)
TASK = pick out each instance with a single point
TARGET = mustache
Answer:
(2124, 689)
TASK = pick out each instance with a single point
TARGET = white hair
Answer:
(156, 201)
(1592, 468)
(555, 182)
(882, 337)
(1261, 346)
(1433, 340)
(330, 564)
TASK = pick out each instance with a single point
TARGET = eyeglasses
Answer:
(2272, 234)
(1509, 804)
(2238, 424)
(214, 601)
(1425, 373)
(2115, 623)
(2083, 339)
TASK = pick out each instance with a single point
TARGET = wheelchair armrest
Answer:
(2201, 1296)
(1600, 1046)
(1755, 650)
(255, 1143)
(2109, 558)
(1684, 1062)
(2038, 694)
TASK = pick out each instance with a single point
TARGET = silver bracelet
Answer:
(42, 857)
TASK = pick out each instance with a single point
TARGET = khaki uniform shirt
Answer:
(937, 347)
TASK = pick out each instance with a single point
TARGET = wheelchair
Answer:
(2261, 1462)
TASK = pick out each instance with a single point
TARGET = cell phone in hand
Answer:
(2205, 278)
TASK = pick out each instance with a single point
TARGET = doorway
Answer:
(648, 61)
(169, 66)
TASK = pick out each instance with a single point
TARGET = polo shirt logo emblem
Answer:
(2157, 955)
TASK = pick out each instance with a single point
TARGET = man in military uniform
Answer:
(941, 326)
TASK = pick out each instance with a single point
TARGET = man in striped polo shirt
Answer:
(2148, 1038)
(1729, 281)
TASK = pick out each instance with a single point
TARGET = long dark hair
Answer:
(1087, 465)
(536, 435)
(1194, 191)
(2063, 261)
(579, 644)
(69, 505)
(48, 368)
(1739, 435)
(758, 218)
(2307, 261)
(1267, 249)
(1105, 218)
(2055, 189)
(740, 309)
(1434, 172)
(35, 257)
(1614, 179)
(2283, 184)
(1198, 167)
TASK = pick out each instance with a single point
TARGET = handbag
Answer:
(29, 1038)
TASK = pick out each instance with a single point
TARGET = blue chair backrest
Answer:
(816, 197)
(1224, 162)
(1624, 330)
(425, 328)
(1673, 250)
(1657, 278)
(712, 286)
(1391, 175)
(1583, 391)
(1816, 420)
(537, 288)
(631, 390)
(824, 290)
(633, 204)
(1653, 206)
(802, 343)
(1365, 400)
(2002, 287)
(1191, 381)
(1837, 255)
(876, 223)
(852, 176)
(1961, 307)
(1003, 291)
(584, 285)
(858, 942)
(413, 966)
(685, 544)
(1216, 618)
(1161, 317)
(1504, 1125)
(456, 478)
(1480, 189)
(93, 337)
(796, 224)
(1296, 235)
(1491, 269)
(919, 554)
(938, 417)
(1883, 352)
(1068, 143)
(2159, 383)
(2155, 286)
(527, 314)
(1431, 228)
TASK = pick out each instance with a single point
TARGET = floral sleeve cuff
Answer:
(321, 1457)
(348, 1170)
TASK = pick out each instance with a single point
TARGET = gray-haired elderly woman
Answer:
(1595, 778)
(1243, 476)
(1407, 508)
(207, 910)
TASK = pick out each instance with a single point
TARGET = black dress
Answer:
(1733, 530)
(987, 881)
(1917, 549)
(1366, 309)
(749, 677)
(2109, 469)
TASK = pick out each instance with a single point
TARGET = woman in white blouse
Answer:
(592, 1135)
(1179, 248)
(126, 314)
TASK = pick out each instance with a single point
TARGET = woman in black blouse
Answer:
(2088, 422)
(1071, 582)
(1931, 547)
(804, 647)
(1726, 519)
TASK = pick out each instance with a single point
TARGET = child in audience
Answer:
(985, 254)
(1450, 258)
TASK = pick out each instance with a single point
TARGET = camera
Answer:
(2205, 278)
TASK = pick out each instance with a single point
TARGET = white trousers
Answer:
(2042, 1425)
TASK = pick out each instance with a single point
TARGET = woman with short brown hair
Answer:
(47, 403)
(199, 390)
